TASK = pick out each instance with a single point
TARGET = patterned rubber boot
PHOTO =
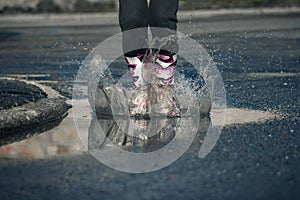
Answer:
(164, 69)
(138, 99)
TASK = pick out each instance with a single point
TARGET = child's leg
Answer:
(163, 14)
(133, 14)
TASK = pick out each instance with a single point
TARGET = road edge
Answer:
(89, 19)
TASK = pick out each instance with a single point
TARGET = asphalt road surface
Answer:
(258, 57)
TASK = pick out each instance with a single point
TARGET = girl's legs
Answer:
(136, 14)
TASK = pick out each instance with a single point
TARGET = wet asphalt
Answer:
(258, 57)
(15, 93)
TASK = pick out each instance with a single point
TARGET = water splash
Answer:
(115, 94)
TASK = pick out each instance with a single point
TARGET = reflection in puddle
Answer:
(62, 140)
(141, 135)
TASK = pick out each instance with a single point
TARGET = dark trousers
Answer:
(135, 14)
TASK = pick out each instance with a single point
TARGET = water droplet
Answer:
(286, 157)
(278, 173)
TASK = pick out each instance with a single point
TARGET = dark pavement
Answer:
(258, 57)
(15, 93)
(26, 110)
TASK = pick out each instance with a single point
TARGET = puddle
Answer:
(238, 116)
(64, 140)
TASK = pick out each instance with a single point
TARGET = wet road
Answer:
(258, 58)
